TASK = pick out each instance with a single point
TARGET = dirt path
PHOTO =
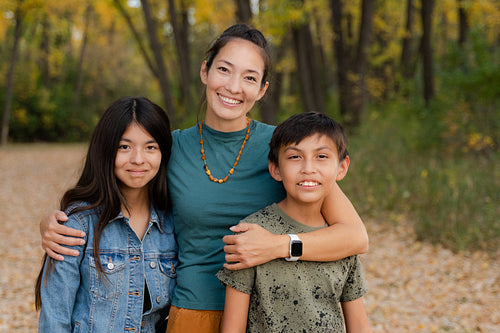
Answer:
(414, 287)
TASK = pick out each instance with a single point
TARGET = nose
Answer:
(137, 156)
(308, 166)
(233, 84)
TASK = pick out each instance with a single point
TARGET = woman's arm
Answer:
(345, 236)
(235, 311)
(53, 236)
(355, 317)
(58, 291)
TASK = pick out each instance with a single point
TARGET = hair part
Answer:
(98, 185)
(303, 125)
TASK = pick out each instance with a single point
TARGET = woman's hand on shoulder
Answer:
(54, 236)
(252, 246)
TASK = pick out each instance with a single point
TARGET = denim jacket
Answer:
(76, 299)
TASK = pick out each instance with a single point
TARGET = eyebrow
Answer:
(128, 140)
(247, 70)
(316, 149)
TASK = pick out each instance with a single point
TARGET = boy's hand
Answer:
(253, 246)
(53, 236)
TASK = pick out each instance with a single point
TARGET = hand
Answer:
(253, 246)
(53, 236)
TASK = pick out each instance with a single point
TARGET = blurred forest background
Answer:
(416, 83)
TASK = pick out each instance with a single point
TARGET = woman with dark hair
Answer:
(217, 175)
(124, 276)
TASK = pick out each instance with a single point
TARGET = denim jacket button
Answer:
(152, 264)
(111, 265)
(158, 299)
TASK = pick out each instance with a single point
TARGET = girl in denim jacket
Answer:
(124, 276)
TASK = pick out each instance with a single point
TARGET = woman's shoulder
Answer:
(263, 126)
(263, 131)
(179, 133)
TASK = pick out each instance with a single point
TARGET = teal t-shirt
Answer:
(204, 210)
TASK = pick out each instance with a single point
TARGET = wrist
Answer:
(283, 246)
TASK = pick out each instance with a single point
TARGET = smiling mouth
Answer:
(308, 183)
(137, 172)
(229, 100)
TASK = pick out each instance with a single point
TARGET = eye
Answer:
(293, 157)
(322, 156)
(251, 78)
(222, 69)
(123, 147)
(152, 147)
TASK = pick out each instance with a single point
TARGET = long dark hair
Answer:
(98, 185)
(241, 31)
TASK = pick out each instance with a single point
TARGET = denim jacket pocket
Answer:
(111, 283)
(168, 268)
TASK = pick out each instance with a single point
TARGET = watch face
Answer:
(296, 249)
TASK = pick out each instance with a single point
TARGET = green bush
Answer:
(401, 167)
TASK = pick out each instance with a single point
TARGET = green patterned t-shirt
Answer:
(301, 296)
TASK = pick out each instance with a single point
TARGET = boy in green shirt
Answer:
(308, 153)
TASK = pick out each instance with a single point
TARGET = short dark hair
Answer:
(302, 125)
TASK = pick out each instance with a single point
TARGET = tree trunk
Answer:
(243, 11)
(181, 33)
(464, 25)
(361, 65)
(326, 72)
(81, 60)
(138, 38)
(18, 16)
(406, 50)
(341, 59)
(269, 106)
(44, 52)
(351, 73)
(308, 70)
(428, 74)
(160, 63)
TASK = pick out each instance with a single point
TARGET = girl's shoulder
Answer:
(81, 216)
(163, 217)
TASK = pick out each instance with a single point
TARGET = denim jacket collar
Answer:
(154, 219)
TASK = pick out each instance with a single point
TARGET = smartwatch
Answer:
(295, 250)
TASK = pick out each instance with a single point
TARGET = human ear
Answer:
(263, 90)
(274, 170)
(204, 72)
(343, 167)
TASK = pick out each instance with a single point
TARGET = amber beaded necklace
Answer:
(204, 158)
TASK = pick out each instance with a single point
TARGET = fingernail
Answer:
(232, 228)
